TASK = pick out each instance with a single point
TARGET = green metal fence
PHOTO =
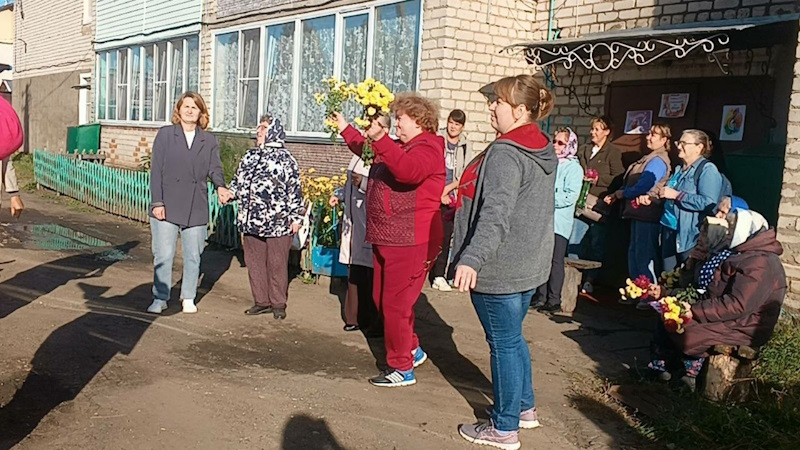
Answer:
(121, 192)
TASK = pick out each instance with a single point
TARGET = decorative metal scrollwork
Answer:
(603, 56)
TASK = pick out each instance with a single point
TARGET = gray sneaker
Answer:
(486, 434)
(528, 419)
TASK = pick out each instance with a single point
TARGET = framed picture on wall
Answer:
(732, 127)
(673, 106)
(638, 122)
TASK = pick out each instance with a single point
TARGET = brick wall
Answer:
(126, 146)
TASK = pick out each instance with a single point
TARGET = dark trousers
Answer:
(440, 268)
(267, 262)
(550, 292)
(359, 307)
(644, 252)
(671, 258)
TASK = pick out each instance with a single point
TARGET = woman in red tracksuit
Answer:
(403, 223)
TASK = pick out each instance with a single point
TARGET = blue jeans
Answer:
(512, 381)
(644, 252)
(588, 241)
(671, 258)
(165, 240)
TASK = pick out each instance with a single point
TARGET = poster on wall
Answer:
(638, 122)
(732, 128)
(673, 106)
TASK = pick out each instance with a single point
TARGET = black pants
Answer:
(550, 292)
(440, 266)
(365, 312)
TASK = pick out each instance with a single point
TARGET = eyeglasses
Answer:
(683, 143)
(556, 141)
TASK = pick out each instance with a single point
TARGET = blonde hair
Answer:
(202, 121)
(526, 90)
(424, 112)
(702, 138)
(664, 130)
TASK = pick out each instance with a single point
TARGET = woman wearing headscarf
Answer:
(569, 177)
(742, 282)
(267, 187)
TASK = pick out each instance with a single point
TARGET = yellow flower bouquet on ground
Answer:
(318, 190)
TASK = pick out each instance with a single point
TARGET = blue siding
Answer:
(119, 19)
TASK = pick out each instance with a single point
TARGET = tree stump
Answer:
(727, 374)
(572, 281)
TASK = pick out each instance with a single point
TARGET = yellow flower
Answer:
(371, 111)
(326, 219)
(312, 171)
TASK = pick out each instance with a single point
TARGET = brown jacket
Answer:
(608, 164)
(744, 299)
(653, 211)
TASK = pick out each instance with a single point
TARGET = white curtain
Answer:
(136, 68)
(194, 62)
(248, 100)
(161, 83)
(354, 61)
(101, 90)
(316, 63)
(396, 41)
(226, 58)
(176, 71)
(278, 68)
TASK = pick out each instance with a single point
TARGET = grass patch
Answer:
(231, 152)
(23, 165)
(771, 420)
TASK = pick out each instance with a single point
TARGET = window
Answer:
(378, 41)
(136, 81)
(248, 81)
(278, 69)
(102, 79)
(122, 85)
(141, 83)
(176, 70)
(226, 55)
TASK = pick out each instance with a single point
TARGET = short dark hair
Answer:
(604, 121)
(457, 116)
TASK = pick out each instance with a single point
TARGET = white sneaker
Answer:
(189, 306)
(157, 306)
(439, 283)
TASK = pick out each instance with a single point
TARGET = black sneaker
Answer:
(394, 378)
(536, 305)
(279, 313)
(549, 309)
(255, 310)
(351, 328)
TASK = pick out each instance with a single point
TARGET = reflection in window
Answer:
(226, 56)
(278, 65)
(316, 63)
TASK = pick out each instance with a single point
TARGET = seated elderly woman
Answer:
(738, 271)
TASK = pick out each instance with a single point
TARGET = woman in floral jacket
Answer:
(267, 187)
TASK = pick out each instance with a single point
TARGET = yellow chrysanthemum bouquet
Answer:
(318, 190)
(373, 95)
(338, 92)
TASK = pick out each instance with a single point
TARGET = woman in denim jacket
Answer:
(690, 197)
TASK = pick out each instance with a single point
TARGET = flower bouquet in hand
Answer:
(638, 289)
(338, 93)
(375, 98)
(589, 179)
(675, 313)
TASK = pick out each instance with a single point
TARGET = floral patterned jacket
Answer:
(267, 187)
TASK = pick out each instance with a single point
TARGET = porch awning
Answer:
(608, 50)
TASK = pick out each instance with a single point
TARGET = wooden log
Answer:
(569, 291)
(727, 378)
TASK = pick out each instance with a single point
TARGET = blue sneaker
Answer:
(419, 356)
(394, 378)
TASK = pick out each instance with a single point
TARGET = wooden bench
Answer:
(572, 281)
(726, 377)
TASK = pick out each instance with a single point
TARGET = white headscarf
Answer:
(748, 223)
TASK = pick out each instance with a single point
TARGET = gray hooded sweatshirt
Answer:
(504, 222)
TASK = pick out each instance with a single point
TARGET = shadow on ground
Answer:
(303, 432)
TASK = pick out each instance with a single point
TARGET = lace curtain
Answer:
(148, 82)
(136, 71)
(248, 85)
(122, 85)
(101, 90)
(278, 69)
(226, 55)
(177, 70)
(354, 62)
(316, 63)
(194, 62)
(394, 58)
(112, 85)
(161, 82)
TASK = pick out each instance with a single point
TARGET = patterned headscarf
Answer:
(275, 133)
(572, 145)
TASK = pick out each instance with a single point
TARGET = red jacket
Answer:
(10, 130)
(405, 188)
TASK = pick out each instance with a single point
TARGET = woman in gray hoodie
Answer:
(504, 246)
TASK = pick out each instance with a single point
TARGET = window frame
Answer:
(340, 14)
(130, 73)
